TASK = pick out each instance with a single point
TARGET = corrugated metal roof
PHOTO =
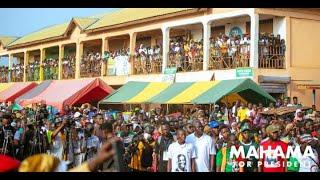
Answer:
(45, 33)
(85, 22)
(114, 18)
(5, 40)
(132, 14)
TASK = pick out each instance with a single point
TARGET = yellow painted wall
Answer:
(305, 43)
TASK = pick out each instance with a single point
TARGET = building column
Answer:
(10, 66)
(42, 58)
(61, 55)
(105, 47)
(79, 52)
(254, 40)
(133, 39)
(25, 63)
(206, 44)
(165, 47)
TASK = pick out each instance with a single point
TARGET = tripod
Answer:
(7, 140)
(38, 142)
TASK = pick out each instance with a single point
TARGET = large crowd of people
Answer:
(198, 139)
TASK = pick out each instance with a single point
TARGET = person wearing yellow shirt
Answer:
(242, 112)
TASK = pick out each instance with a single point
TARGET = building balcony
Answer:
(145, 65)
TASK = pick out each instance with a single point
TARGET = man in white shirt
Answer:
(181, 155)
(204, 148)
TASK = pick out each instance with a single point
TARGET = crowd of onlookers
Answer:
(33, 70)
(198, 139)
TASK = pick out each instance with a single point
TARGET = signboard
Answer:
(169, 74)
(244, 72)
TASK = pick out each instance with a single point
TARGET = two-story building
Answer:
(277, 48)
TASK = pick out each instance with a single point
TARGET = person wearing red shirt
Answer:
(269, 163)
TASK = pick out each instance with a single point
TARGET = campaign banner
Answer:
(122, 65)
(111, 67)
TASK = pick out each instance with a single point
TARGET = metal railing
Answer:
(185, 63)
(68, 68)
(90, 68)
(229, 57)
(4, 74)
(50, 69)
(144, 65)
(272, 56)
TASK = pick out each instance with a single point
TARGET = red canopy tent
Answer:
(59, 93)
(16, 90)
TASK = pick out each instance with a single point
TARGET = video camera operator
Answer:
(6, 135)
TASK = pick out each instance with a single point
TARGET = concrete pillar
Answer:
(206, 45)
(10, 57)
(133, 39)
(79, 52)
(25, 63)
(42, 58)
(254, 40)
(165, 47)
(61, 55)
(103, 63)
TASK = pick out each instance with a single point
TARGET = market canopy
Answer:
(208, 92)
(59, 93)
(10, 91)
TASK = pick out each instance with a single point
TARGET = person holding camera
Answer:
(6, 135)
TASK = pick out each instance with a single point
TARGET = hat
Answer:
(244, 127)
(272, 128)
(217, 105)
(213, 124)
(8, 164)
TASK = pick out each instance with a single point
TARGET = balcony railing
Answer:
(144, 65)
(4, 74)
(90, 68)
(229, 57)
(16, 73)
(272, 56)
(185, 63)
(33, 71)
(68, 68)
(50, 69)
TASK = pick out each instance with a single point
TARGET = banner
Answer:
(122, 65)
(111, 67)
